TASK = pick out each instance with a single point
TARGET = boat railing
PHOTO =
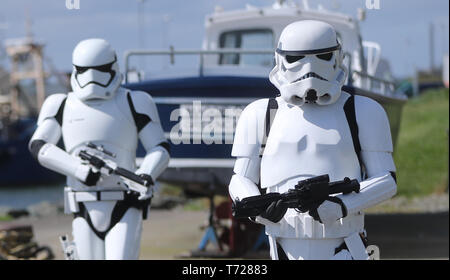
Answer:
(385, 87)
(201, 53)
(367, 81)
(373, 56)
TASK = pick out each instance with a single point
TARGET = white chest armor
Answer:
(308, 141)
(108, 124)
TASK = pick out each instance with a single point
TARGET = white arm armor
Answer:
(246, 148)
(155, 162)
(250, 129)
(243, 183)
(375, 189)
(151, 136)
(376, 155)
(43, 142)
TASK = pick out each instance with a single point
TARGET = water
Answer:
(20, 197)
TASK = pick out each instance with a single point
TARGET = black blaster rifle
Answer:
(307, 195)
(133, 181)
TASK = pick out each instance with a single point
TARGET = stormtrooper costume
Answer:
(313, 128)
(108, 218)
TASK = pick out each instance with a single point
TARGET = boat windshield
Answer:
(247, 39)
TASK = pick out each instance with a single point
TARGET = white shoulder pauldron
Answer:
(102, 121)
(373, 125)
(250, 129)
(52, 107)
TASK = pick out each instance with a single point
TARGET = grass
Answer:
(6, 218)
(421, 154)
(168, 189)
(200, 204)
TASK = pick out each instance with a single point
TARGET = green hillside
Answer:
(421, 154)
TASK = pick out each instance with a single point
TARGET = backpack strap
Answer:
(141, 120)
(59, 115)
(272, 107)
(350, 113)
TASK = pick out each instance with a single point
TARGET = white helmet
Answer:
(309, 64)
(95, 72)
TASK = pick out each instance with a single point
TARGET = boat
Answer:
(234, 64)
(19, 108)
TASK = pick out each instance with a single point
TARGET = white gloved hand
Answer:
(146, 195)
(85, 174)
(149, 193)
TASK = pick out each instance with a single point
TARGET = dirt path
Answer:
(157, 241)
(169, 233)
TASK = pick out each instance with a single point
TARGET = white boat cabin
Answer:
(256, 28)
(242, 43)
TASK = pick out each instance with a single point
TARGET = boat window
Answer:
(247, 39)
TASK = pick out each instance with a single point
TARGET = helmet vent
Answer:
(311, 96)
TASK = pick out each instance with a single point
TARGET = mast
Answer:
(26, 57)
(431, 41)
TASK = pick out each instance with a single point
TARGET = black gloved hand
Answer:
(275, 211)
(147, 178)
(329, 211)
(92, 178)
(313, 213)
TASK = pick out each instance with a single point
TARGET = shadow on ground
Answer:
(410, 236)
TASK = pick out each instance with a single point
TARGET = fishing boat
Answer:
(234, 64)
(19, 107)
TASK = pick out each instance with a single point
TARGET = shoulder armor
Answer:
(52, 107)
(373, 125)
(143, 108)
(250, 129)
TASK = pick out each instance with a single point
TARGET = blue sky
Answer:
(400, 26)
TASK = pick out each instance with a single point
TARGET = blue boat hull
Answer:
(17, 166)
(229, 88)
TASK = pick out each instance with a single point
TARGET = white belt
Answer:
(304, 226)
(98, 196)
(71, 198)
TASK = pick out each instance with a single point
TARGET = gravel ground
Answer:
(168, 234)
(430, 204)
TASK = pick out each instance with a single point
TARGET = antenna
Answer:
(28, 24)
(141, 29)
(3, 27)
(141, 22)
(431, 39)
(306, 4)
